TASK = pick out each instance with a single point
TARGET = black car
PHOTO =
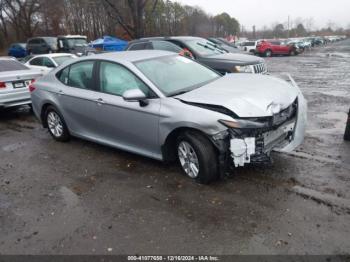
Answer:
(205, 52)
(42, 45)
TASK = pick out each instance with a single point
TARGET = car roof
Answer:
(183, 38)
(54, 55)
(131, 56)
(7, 58)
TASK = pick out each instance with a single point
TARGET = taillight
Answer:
(2, 85)
(31, 86)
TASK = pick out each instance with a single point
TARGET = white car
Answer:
(45, 63)
(249, 46)
(15, 79)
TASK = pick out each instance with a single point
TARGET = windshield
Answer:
(204, 47)
(51, 40)
(22, 45)
(176, 74)
(72, 42)
(61, 59)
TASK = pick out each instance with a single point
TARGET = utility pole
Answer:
(254, 32)
(288, 34)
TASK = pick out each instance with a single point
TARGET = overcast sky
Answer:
(267, 12)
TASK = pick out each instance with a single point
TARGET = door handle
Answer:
(100, 101)
(60, 92)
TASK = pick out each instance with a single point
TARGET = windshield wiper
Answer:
(179, 93)
(212, 49)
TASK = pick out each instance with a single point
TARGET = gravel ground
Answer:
(83, 198)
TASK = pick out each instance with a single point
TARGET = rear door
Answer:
(77, 98)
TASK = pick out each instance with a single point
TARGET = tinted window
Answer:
(174, 74)
(34, 41)
(81, 75)
(11, 65)
(166, 46)
(275, 43)
(37, 61)
(116, 79)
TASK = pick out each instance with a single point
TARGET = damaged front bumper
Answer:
(253, 146)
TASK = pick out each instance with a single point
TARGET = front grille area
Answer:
(260, 68)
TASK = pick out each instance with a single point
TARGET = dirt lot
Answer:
(83, 198)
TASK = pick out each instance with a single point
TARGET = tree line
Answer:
(128, 19)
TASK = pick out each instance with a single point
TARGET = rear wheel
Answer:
(197, 157)
(56, 125)
(268, 53)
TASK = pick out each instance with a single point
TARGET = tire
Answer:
(268, 53)
(202, 149)
(292, 52)
(60, 131)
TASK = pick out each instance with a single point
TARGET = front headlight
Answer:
(242, 69)
(242, 124)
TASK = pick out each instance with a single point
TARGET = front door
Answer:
(132, 126)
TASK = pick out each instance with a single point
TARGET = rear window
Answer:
(248, 44)
(10, 65)
(61, 59)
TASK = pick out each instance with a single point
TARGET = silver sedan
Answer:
(171, 108)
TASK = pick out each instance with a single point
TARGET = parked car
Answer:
(17, 50)
(75, 44)
(15, 79)
(269, 48)
(204, 52)
(47, 62)
(169, 107)
(42, 45)
(249, 46)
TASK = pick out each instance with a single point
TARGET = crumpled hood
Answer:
(246, 95)
(238, 58)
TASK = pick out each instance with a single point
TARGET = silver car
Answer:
(168, 107)
(15, 79)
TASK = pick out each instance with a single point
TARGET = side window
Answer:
(166, 46)
(116, 79)
(81, 75)
(63, 75)
(37, 61)
(48, 63)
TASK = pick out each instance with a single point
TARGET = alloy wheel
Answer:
(55, 124)
(188, 159)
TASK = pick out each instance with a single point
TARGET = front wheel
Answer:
(56, 125)
(292, 53)
(197, 157)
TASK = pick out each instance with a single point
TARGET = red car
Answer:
(274, 47)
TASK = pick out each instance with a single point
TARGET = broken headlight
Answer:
(241, 124)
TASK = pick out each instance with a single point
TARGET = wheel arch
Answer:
(169, 145)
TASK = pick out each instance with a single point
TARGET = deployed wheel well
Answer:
(169, 147)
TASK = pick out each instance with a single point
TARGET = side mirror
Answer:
(135, 95)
